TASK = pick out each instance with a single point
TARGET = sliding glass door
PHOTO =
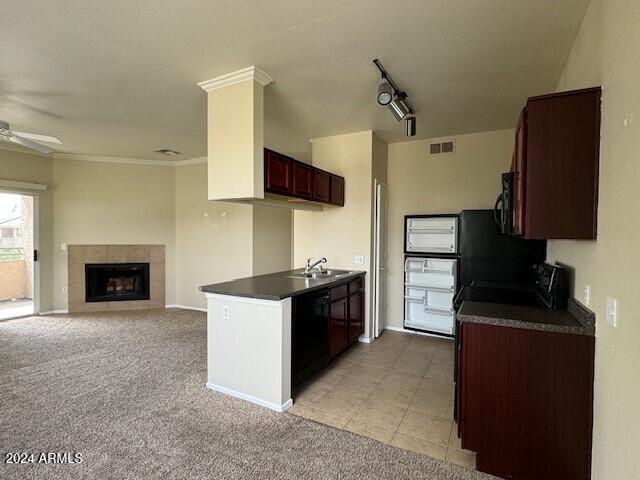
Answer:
(18, 245)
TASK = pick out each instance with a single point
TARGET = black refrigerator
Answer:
(445, 252)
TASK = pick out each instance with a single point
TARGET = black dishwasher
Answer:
(310, 335)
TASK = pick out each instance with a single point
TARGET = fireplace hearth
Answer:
(113, 282)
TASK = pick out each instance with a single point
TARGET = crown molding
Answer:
(97, 158)
(190, 161)
(131, 161)
(249, 73)
(11, 148)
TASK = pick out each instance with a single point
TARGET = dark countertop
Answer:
(576, 319)
(275, 286)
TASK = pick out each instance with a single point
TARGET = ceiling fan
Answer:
(25, 139)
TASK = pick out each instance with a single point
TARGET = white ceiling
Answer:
(119, 77)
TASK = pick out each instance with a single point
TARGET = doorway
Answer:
(379, 267)
(18, 255)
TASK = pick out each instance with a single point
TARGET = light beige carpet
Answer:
(127, 391)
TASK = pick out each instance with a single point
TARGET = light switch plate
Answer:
(587, 295)
(63, 246)
(225, 313)
(612, 312)
(359, 259)
(64, 289)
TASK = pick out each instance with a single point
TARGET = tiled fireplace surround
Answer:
(79, 255)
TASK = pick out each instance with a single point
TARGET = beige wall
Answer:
(220, 241)
(422, 183)
(235, 141)
(340, 233)
(213, 238)
(36, 169)
(111, 203)
(606, 53)
(271, 239)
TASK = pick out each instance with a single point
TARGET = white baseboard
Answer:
(54, 312)
(186, 307)
(415, 332)
(364, 339)
(249, 398)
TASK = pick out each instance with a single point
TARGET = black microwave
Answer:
(503, 210)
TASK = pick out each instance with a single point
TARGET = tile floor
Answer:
(398, 390)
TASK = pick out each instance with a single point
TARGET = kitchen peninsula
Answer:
(268, 332)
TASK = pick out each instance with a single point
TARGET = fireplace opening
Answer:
(113, 282)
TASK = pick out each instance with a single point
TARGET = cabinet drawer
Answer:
(355, 285)
(338, 292)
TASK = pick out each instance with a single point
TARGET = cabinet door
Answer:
(337, 190)
(302, 180)
(356, 316)
(277, 173)
(321, 186)
(519, 165)
(338, 326)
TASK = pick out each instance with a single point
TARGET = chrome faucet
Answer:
(309, 266)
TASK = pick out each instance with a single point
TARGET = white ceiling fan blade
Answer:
(37, 137)
(29, 144)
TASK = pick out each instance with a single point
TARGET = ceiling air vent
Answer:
(167, 151)
(444, 147)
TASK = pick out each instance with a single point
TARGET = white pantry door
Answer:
(380, 273)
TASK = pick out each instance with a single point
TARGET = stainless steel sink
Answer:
(324, 275)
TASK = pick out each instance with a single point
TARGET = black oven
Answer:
(503, 210)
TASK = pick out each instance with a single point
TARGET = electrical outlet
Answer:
(64, 289)
(587, 295)
(612, 312)
(225, 313)
(63, 246)
(359, 259)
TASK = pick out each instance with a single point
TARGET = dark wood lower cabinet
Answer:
(323, 324)
(356, 316)
(338, 326)
(526, 401)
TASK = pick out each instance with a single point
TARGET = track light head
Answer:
(410, 126)
(399, 107)
(385, 93)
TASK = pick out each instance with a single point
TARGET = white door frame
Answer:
(375, 295)
(36, 242)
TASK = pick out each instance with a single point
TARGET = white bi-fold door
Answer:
(429, 287)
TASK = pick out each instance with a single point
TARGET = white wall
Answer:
(420, 183)
(606, 53)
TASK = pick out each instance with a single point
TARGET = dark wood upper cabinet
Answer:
(321, 186)
(337, 190)
(286, 176)
(555, 166)
(277, 173)
(302, 180)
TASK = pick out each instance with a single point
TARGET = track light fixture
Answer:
(390, 95)
(410, 126)
(385, 93)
